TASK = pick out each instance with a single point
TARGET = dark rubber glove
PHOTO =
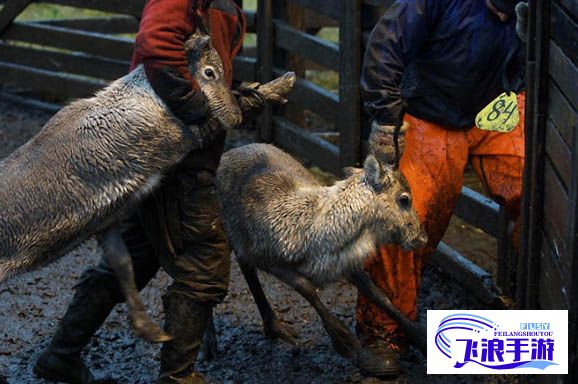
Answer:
(186, 103)
(381, 142)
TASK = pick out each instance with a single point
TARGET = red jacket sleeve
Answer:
(166, 24)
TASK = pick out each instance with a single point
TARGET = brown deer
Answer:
(281, 220)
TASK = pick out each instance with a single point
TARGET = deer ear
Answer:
(378, 176)
(373, 170)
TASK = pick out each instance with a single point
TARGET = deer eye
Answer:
(209, 73)
(404, 201)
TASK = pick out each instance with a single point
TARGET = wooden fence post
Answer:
(506, 256)
(265, 45)
(350, 39)
(10, 11)
(535, 137)
(573, 248)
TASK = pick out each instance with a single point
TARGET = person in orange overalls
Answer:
(195, 251)
(434, 64)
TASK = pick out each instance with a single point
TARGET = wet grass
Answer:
(50, 11)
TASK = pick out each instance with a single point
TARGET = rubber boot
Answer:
(186, 321)
(90, 306)
(379, 358)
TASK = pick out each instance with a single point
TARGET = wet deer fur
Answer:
(281, 220)
(93, 161)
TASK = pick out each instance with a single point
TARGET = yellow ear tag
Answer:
(501, 115)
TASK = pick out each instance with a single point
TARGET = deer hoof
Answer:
(151, 332)
(282, 331)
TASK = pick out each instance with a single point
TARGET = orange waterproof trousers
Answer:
(433, 162)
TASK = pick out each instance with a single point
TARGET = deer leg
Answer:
(118, 257)
(273, 328)
(345, 343)
(365, 284)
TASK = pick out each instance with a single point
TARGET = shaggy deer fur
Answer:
(281, 220)
(95, 159)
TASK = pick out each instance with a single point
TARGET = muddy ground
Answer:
(31, 305)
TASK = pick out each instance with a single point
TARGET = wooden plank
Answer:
(571, 6)
(94, 43)
(564, 32)
(306, 145)
(468, 275)
(294, 16)
(77, 63)
(116, 24)
(478, 210)
(30, 102)
(564, 73)
(46, 82)
(561, 113)
(251, 17)
(10, 11)
(107, 25)
(244, 68)
(315, 21)
(507, 257)
(552, 292)
(350, 57)
(559, 153)
(324, 7)
(550, 252)
(555, 221)
(306, 45)
(316, 98)
(265, 46)
(573, 250)
(133, 7)
(379, 3)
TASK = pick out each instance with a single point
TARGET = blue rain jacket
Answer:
(441, 61)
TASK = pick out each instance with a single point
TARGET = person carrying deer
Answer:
(180, 227)
(450, 70)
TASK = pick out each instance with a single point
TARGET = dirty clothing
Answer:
(179, 227)
(440, 61)
(182, 221)
(433, 163)
(197, 256)
(199, 265)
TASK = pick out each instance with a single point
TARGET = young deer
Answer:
(281, 220)
(94, 160)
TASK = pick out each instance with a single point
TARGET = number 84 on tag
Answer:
(501, 115)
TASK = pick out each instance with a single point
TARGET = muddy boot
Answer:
(379, 358)
(61, 361)
(186, 321)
